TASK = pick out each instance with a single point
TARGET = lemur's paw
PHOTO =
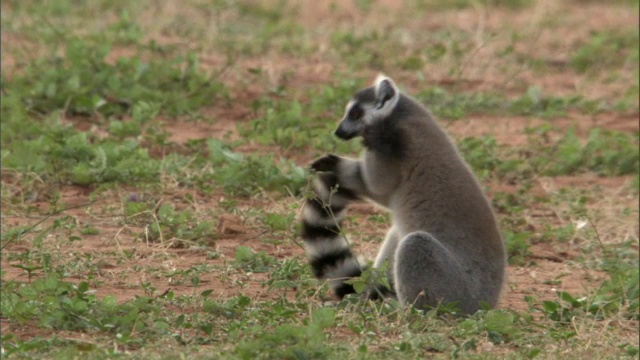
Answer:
(326, 163)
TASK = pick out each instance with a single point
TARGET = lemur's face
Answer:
(357, 116)
(368, 105)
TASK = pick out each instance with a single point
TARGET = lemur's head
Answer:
(368, 106)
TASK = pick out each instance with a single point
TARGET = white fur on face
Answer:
(349, 105)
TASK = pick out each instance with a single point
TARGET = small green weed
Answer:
(250, 261)
(499, 325)
(291, 274)
(231, 308)
(621, 293)
(371, 279)
(518, 245)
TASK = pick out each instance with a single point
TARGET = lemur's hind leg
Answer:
(388, 249)
(386, 257)
(428, 274)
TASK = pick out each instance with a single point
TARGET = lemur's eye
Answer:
(356, 113)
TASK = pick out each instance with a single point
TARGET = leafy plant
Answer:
(250, 261)
(230, 308)
(180, 225)
(371, 280)
(291, 341)
(240, 175)
(517, 245)
(291, 274)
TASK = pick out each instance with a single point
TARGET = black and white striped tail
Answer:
(327, 249)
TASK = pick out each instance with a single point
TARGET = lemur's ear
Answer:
(387, 94)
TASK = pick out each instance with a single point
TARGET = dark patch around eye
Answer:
(356, 112)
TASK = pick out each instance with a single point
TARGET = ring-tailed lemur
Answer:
(444, 245)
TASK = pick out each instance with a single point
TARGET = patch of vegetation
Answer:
(621, 293)
(251, 261)
(61, 305)
(292, 341)
(163, 223)
(292, 274)
(460, 4)
(533, 102)
(361, 49)
(486, 157)
(250, 29)
(54, 150)
(448, 105)
(605, 152)
(290, 125)
(246, 175)
(518, 245)
(607, 49)
(83, 83)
